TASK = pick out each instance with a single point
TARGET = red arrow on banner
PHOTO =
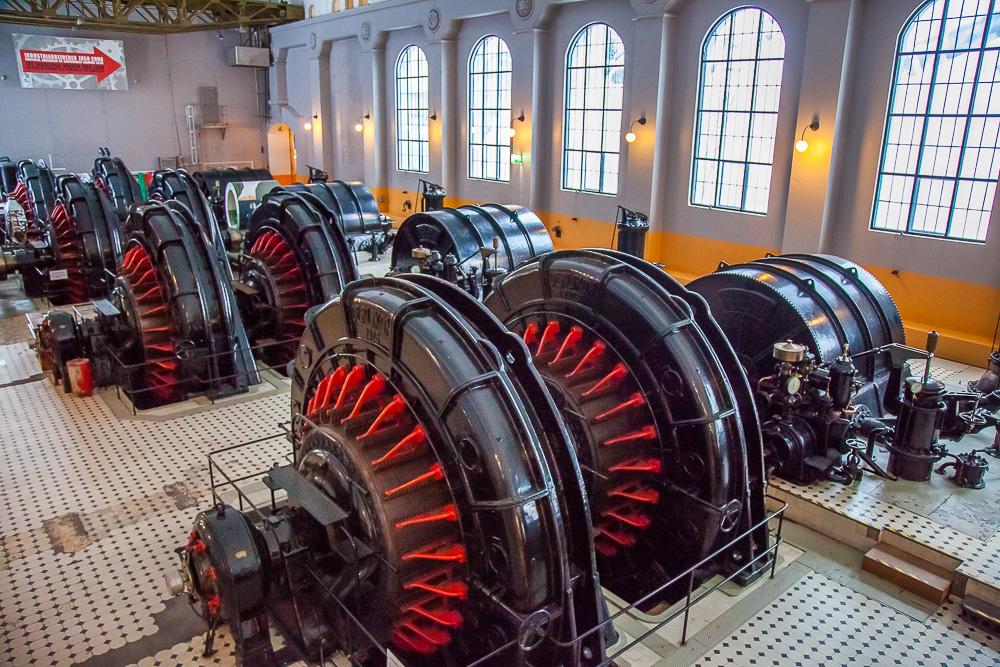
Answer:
(97, 63)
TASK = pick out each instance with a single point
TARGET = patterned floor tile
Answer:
(820, 622)
(18, 362)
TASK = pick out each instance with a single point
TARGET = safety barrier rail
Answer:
(518, 650)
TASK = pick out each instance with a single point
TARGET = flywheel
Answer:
(294, 259)
(183, 333)
(662, 415)
(415, 409)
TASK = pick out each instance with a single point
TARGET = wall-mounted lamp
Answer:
(360, 125)
(434, 116)
(802, 145)
(308, 124)
(511, 131)
(630, 135)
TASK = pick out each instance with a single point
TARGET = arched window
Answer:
(489, 110)
(738, 93)
(595, 77)
(412, 147)
(938, 171)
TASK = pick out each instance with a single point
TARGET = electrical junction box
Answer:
(248, 56)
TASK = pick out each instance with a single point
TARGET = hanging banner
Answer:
(71, 63)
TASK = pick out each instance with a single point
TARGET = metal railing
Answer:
(216, 468)
(692, 597)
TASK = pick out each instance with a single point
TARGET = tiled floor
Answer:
(93, 504)
(821, 622)
(93, 507)
(18, 362)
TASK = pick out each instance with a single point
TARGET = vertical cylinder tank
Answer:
(914, 449)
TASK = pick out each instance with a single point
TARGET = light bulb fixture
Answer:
(630, 135)
(308, 124)
(360, 125)
(511, 131)
(802, 145)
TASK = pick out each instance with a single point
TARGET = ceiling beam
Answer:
(156, 16)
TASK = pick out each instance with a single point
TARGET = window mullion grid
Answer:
(885, 139)
(487, 166)
(481, 115)
(494, 112)
(915, 190)
(605, 71)
(722, 124)
(753, 102)
(567, 128)
(426, 142)
(472, 111)
(399, 117)
(482, 125)
(945, 52)
(968, 118)
(481, 112)
(583, 115)
(491, 111)
(509, 140)
(698, 126)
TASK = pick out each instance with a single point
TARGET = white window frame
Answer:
(489, 103)
(739, 159)
(594, 105)
(412, 110)
(941, 152)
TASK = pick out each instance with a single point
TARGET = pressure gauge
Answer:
(793, 384)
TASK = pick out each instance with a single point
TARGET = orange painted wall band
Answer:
(963, 313)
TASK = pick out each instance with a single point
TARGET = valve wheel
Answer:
(290, 295)
(67, 249)
(378, 444)
(161, 368)
(607, 407)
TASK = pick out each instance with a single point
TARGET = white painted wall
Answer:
(142, 123)
(690, 27)
(973, 262)
(818, 200)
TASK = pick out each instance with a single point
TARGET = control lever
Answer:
(932, 341)
(899, 353)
